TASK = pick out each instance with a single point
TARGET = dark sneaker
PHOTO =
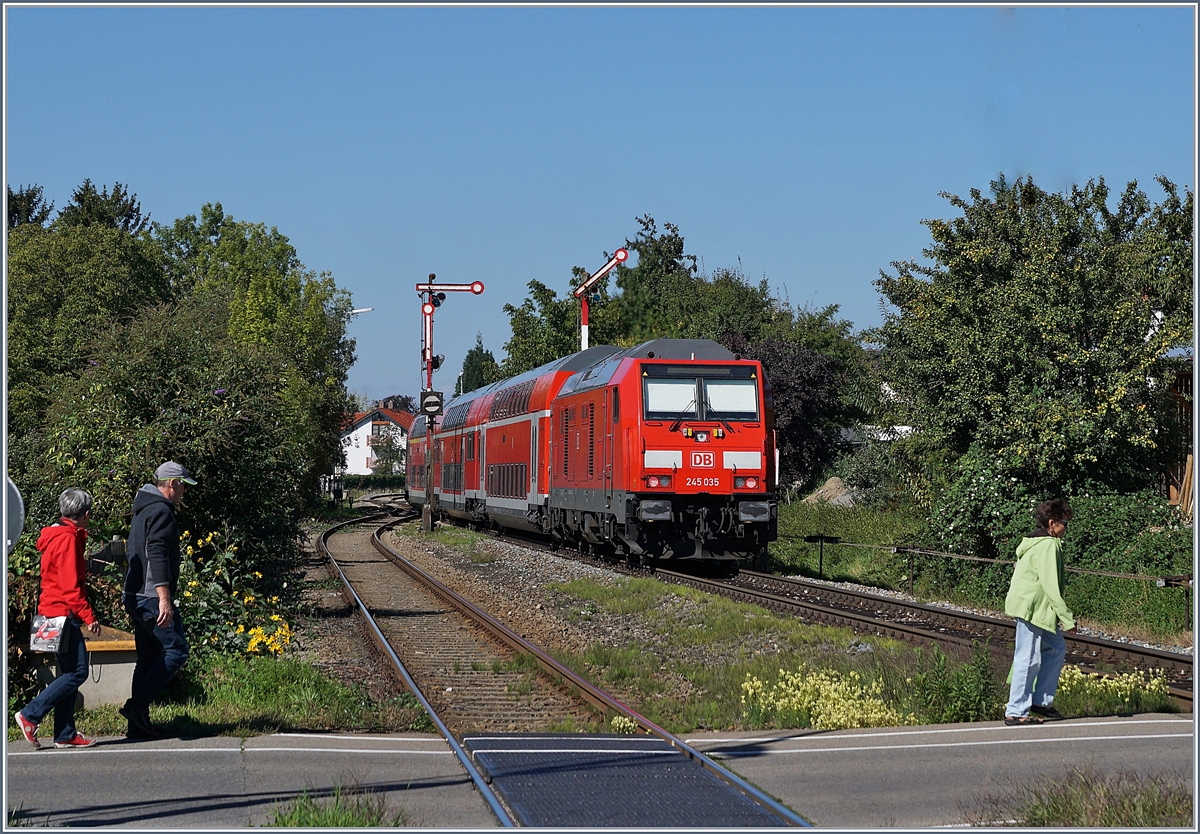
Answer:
(1022, 720)
(80, 740)
(139, 724)
(1049, 713)
(29, 729)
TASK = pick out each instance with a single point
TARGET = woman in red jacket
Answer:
(64, 592)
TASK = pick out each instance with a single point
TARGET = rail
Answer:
(591, 693)
(463, 757)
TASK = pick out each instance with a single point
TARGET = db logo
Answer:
(703, 460)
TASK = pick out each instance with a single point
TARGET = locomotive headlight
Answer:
(654, 510)
(652, 481)
(739, 483)
(658, 480)
(701, 437)
(751, 483)
(754, 511)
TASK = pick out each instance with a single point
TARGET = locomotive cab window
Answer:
(698, 392)
(670, 399)
(730, 399)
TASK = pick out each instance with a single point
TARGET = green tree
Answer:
(118, 210)
(656, 299)
(1032, 349)
(388, 451)
(281, 308)
(66, 286)
(544, 328)
(27, 205)
(170, 384)
(479, 368)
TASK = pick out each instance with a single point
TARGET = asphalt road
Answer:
(918, 777)
(896, 777)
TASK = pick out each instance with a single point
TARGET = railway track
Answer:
(914, 622)
(475, 681)
(867, 613)
(476, 678)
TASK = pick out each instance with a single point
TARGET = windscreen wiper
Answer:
(709, 411)
(683, 414)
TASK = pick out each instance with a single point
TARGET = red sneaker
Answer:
(29, 729)
(80, 740)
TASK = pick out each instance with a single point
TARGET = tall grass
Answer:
(691, 673)
(351, 807)
(1088, 798)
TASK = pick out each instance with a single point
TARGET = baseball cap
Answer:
(174, 471)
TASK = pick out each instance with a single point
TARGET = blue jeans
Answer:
(1037, 661)
(160, 651)
(59, 696)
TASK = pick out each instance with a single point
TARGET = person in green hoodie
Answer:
(1035, 600)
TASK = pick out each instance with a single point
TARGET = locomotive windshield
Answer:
(668, 399)
(718, 393)
(730, 399)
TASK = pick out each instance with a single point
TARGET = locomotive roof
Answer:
(595, 366)
(574, 362)
(600, 373)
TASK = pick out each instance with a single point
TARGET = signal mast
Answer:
(432, 295)
(584, 291)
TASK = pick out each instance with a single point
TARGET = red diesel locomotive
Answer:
(661, 451)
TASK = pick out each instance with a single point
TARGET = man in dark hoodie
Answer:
(150, 582)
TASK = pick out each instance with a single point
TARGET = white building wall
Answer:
(360, 455)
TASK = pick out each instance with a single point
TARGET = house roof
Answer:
(382, 415)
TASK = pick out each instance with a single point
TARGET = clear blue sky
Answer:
(506, 143)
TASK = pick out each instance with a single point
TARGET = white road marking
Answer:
(884, 732)
(109, 751)
(980, 743)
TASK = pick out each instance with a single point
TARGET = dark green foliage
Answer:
(207, 343)
(656, 293)
(118, 210)
(479, 368)
(1028, 337)
(27, 205)
(812, 360)
(173, 386)
(67, 286)
(373, 483)
(1029, 356)
(806, 390)
(277, 308)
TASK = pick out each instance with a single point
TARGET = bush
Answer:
(373, 483)
(169, 386)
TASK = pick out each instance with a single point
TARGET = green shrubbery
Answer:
(1137, 534)
(373, 483)
(206, 342)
